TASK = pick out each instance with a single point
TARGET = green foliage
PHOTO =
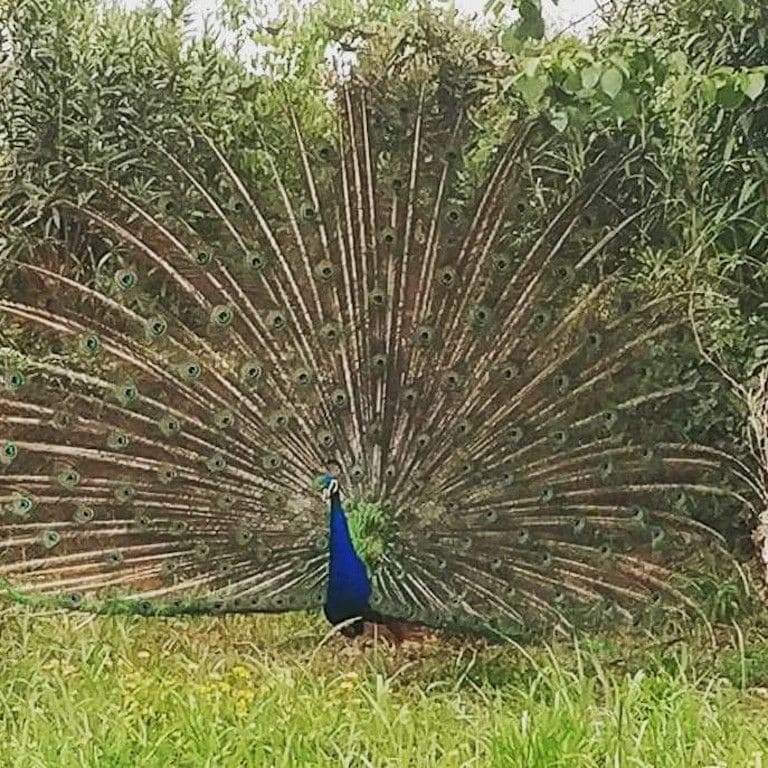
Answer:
(722, 602)
(746, 667)
(709, 127)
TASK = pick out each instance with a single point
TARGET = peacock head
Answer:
(329, 486)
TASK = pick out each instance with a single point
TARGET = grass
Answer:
(266, 691)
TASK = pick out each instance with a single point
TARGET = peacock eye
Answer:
(250, 371)
(379, 362)
(142, 521)
(224, 419)
(560, 437)
(69, 478)
(167, 475)
(222, 315)
(277, 320)
(303, 377)
(339, 398)
(452, 380)
(129, 393)
(324, 271)
(190, 370)
(156, 327)
(377, 297)
(125, 493)
(114, 558)
(10, 451)
(117, 440)
(125, 278)
(216, 463)
(16, 380)
(330, 333)
(480, 316)
(50, 538)
(202, 550)
(502, 264)
(593, 340)
(271, 461)
(169, 426)
(21, 505)
(325, 439)
(255, 261)
(91, 343)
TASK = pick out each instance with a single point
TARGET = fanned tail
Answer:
(451, 326)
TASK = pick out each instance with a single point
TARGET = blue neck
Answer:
(349, 588)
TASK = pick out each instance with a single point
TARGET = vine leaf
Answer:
(611, 82)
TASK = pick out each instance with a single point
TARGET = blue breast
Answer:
(349, 588)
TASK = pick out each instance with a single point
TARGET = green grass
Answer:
(239, 691)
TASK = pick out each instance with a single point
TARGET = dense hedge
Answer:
(681, 86)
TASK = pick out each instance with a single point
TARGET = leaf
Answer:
(530, 27)
(530, 66)
(734, 7)
(590, 77)
(677, 60)
(572, 83)
(559, 120)
(624, 105)
(729, 98)
(510, 41)
(530, 10)
(611, 82)
(621, 64)
(752, 85)
(729, 146)
(532, 88)
(708, 90)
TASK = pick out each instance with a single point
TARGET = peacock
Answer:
(385, 362)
